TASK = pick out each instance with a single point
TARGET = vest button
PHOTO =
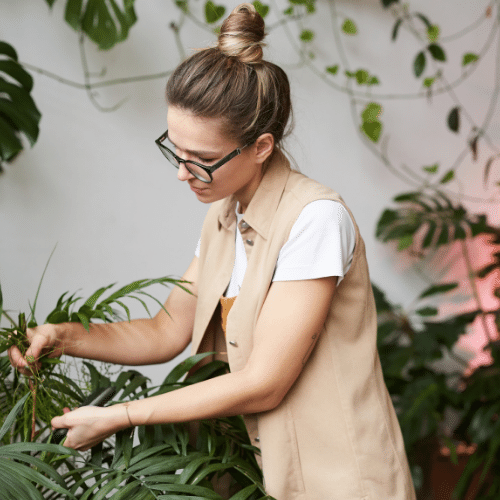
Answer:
(244, 225)
(257, 439)
(249, 242)
(233, 343)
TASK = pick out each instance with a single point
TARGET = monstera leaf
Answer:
(18, 113)
(105, 22)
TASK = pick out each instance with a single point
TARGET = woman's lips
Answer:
(197, 190)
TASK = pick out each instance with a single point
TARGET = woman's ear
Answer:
(263, 147)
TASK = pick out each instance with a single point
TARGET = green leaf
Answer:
(245, 493)
(349, 27)
(333, 69)
(182, 5)
(92, 300)
(428, 81)
(288, 12)
(372, 130)
(213, 12)
(447, 177)
(309, 4)
(432, 169)
(437, 289)
(433, 33)
(73, 13)
(371, 125)
(12, 416)
(362, 76)
(454, 119)
(424, 19)
(405, 242)
(10, 144)
(386, 219)
(373, 81)
(437, 52)
(371, 112)
(84, 320)
(307, 35)
(429, 237)
(469, 58)
(427, 311)
(395, 29)
(388, 3)
(103, 21)
(17, 72)
(8, 50)
(182, 368)
(262, 9)
(18, 113)
(419, 64)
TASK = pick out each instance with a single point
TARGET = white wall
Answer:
(95, 184)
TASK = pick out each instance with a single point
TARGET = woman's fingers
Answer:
(15, 357)
(29, 363)
(18, 361)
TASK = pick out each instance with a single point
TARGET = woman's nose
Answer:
(183, 174)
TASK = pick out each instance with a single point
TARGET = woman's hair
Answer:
(233, 82)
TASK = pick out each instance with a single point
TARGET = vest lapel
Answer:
(215, 265)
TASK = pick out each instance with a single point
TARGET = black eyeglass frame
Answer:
(208, 169)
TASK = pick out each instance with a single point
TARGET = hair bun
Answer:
(242, 34)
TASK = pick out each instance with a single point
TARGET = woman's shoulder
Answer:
(305, 189)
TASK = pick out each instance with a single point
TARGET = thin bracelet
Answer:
(130, 421)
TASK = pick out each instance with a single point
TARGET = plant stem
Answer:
(33, 415)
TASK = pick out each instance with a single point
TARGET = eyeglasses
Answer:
(201, 172)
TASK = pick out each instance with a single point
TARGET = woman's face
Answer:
(202, 140)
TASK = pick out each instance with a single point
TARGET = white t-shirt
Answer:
(321, 243)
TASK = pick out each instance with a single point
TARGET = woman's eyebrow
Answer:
(196, 153)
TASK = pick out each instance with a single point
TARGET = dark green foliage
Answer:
(419, 64)
(50, 389)
(434, 216)
(213, 12)
(19, 115)
(454, 119)
(105, 22)
(409, 347)
(165, 463)
(437, 52)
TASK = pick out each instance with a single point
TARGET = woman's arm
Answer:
(290, 321)
(138, 342)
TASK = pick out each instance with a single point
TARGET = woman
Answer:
(280, 288)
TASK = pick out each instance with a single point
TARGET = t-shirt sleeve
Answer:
(321, 243)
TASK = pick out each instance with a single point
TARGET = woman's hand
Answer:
(43, 341)
(90, 425)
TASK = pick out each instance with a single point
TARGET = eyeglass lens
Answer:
(197, 171)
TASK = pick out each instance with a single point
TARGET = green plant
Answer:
(50, 387)
(18, 112)
(409, 344)
(169, 461)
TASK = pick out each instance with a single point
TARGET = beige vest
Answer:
(335, 435)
